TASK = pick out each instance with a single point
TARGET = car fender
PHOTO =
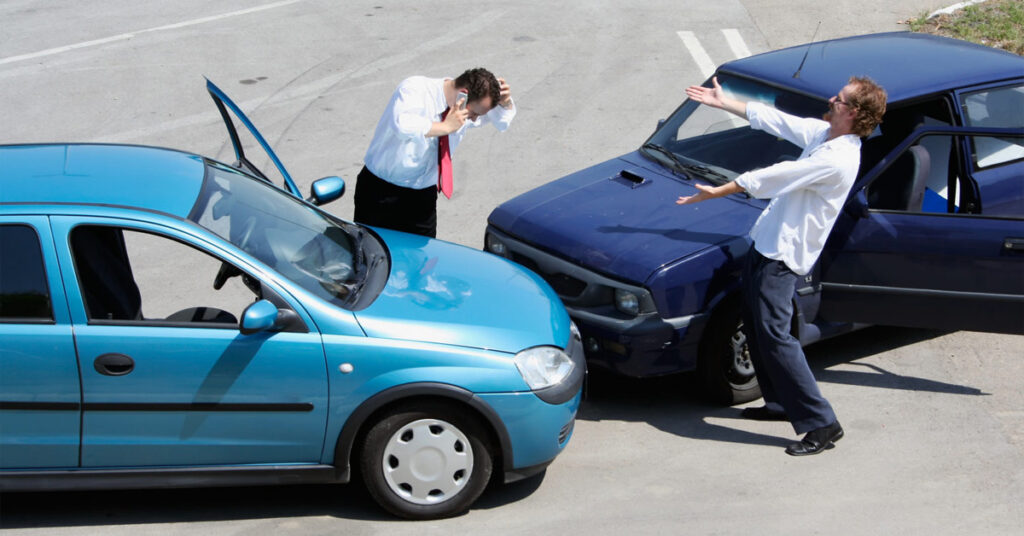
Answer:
(350, 432)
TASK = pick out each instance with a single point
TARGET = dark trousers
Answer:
(382, 204)
(785, 378)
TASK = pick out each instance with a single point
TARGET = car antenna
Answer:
(801, 67)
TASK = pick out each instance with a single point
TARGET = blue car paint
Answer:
(38, 362)
(158, 415)
(431, 296)
(926, 64)
(617, 219)
(102, 174)
(541, 423)
(598, 220)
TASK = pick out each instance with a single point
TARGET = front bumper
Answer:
(537, 431)
(638, 346)
(539, 424)
(645, 346)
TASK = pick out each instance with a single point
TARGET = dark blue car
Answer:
(932, 234)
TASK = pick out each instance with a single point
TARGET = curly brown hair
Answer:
(868, 99)
(479, 83)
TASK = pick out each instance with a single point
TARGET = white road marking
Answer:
(736, 43)
(700, 56)
(129, 35)
(308, 91)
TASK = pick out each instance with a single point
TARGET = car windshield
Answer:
(717, 145)
(322, 255)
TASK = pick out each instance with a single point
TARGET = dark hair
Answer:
(868, 99)
(480, 83)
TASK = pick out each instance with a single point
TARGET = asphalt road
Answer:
(934, 421)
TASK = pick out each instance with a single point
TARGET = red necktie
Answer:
(445, 184)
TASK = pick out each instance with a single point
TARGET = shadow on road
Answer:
(669, 404)
(673, 405)
(130, 507)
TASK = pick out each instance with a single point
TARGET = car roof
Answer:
(147, 178)
(906, 64)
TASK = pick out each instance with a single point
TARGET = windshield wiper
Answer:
(678, 165)
(706, 172)
(700, 170)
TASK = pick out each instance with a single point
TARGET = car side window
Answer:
(24, 294)
(920, 177)
(132, 276)
(1001, 107)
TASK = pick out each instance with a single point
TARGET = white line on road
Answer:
(736, 43)
(310, 90)
(704, 62)
(129, 35)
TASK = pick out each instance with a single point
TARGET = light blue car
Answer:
(170, 321)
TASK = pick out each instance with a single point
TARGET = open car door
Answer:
(949, 257)
(278, 176)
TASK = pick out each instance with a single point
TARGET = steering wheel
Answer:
(227, 271)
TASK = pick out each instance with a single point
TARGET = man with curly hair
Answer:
(806, 197)
(409, 159)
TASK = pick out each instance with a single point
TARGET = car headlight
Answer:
(495, 246)
(543, 366)
(627, 302)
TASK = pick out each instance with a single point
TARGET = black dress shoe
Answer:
(764, 413)
(817, 440)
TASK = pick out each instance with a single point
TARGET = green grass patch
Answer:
(994, 23)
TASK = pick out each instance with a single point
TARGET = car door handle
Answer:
(1013, 244)
(114, 364)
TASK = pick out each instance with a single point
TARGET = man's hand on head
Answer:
(505, 97)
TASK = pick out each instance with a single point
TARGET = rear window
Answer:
(24, 295)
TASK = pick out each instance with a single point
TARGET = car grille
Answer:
(564, 285)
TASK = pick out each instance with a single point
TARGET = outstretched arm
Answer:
(710, 192)
(716, 98)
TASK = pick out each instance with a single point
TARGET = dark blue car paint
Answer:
(953, 271)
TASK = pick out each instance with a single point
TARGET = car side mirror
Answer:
(325, 190)
(259, 316)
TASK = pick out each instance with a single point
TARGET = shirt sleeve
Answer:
(409, 111)
(500, 116)
(784, 177)
(800, 131)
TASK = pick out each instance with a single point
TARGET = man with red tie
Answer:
(409, 159)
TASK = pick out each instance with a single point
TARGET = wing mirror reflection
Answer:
(325, 190)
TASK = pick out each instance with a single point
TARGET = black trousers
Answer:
(382, 204)
(786, 380)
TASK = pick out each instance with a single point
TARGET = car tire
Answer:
(724, 369)
(426, 461)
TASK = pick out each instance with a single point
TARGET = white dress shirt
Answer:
(806, 194)
(400, 152)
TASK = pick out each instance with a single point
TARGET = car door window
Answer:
(132, 276)
(1001, 107)
(24, 294)
(918, 178)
